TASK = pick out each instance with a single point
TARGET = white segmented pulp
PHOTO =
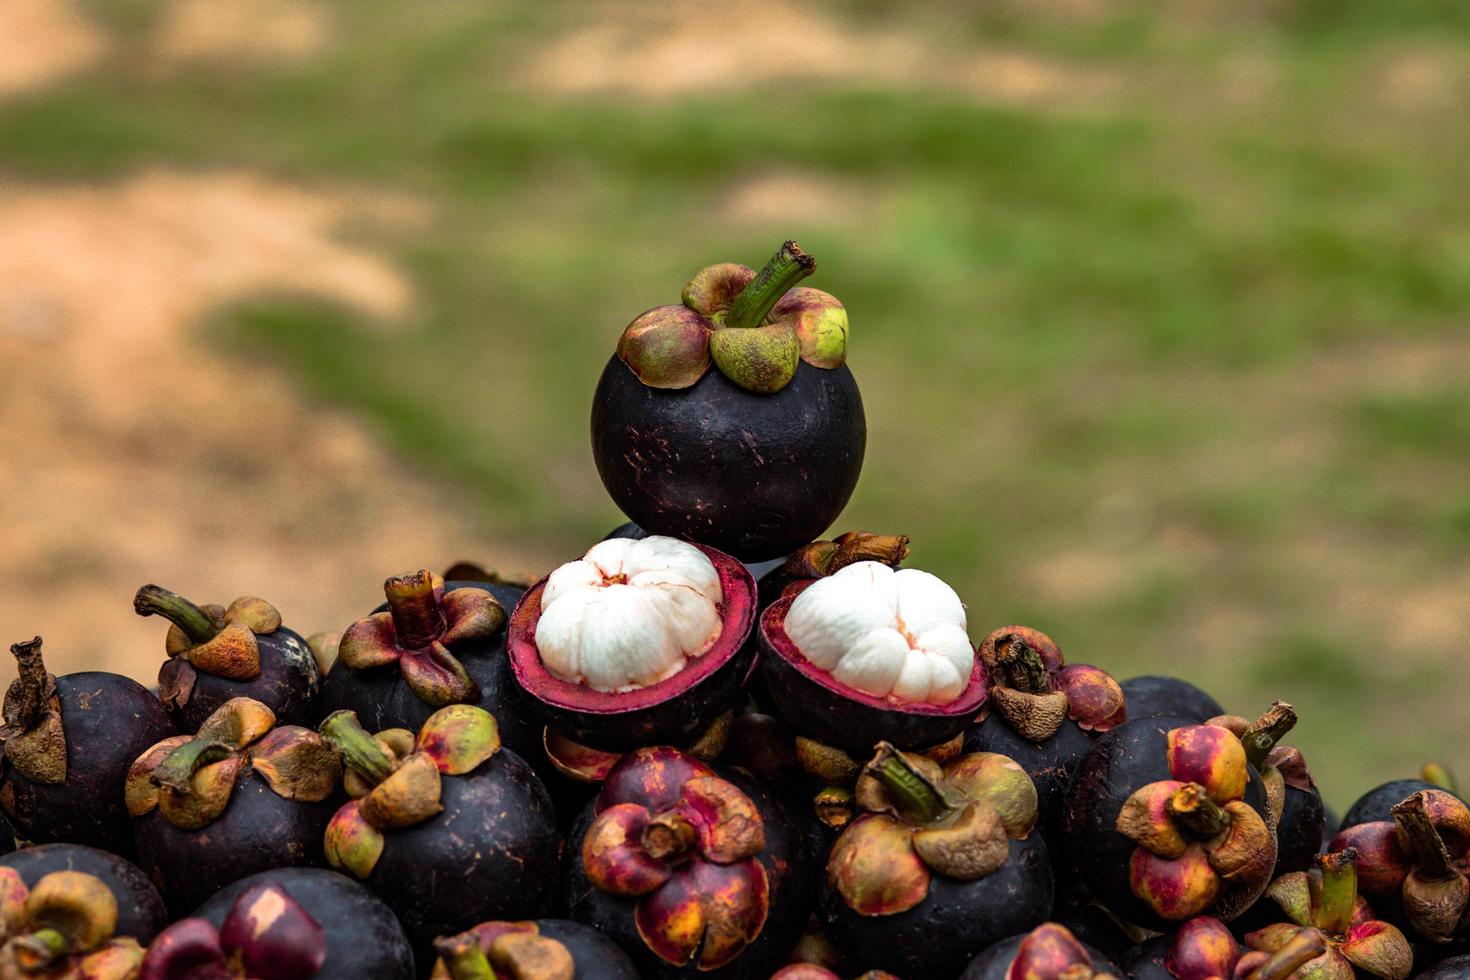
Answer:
(629, 613)
(896, 634)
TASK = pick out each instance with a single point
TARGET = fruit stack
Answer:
(714, 745)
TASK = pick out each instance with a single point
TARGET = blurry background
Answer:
(1160, 318)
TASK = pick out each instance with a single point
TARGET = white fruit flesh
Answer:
(629, 613)
(894, 634)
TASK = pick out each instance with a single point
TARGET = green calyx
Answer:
(754, 327)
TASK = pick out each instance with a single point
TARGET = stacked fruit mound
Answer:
(715, 744)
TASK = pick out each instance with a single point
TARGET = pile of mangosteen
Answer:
(716, 743)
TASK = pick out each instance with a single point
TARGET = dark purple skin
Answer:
(288, 684)
(258, 831)
(364, 938)
(995, 962)
(1090, 924)
(109, 721)
(1299, 834)
(755, 476)
(1154, 695)
(491, 854)
(140, 910)
(594, 955)
(792, 870)
(1454, 968)
(1146, 960)
(383, 699)
(1378, 802)
(1120, 762)
(955, 922)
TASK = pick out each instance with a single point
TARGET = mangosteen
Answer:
(1167, 820)
(1203, 948)
(68, 743)
(541, 949)
(63, 927)
(363, 937)
(1044, 713)
(266, 935)
(241, 795)
(1378, 802)
(434, 643)
(140, 910)
(1453, 968)
(1048, 952)
(940, 863)
(640, 642)
(1155, 695)
(811, 971)
(756, 456)
(871, 653)
(693, 870)
(217, 653)
(447, 826)
(1324, 912)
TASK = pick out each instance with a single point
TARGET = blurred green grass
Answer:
(1174, 370)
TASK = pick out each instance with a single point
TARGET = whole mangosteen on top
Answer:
(553, 949)
(68, 743)
(217, 653)
(1048, 952)
(434, 643)
(241, 795)
(732, 419)
(869, 653)
(640, 642)
(140, 910)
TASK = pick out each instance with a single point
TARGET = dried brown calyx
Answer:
(394, 777)
(702, 893)
(1433, 829)
(822, 558)
(917, 818)
(218, 640)
(1325, 901)
(189, 778)
(502, 951)
(1203, 948)
(62, 928)
(266, 935)
(1034, 689)
(35, 742)
(422, 622)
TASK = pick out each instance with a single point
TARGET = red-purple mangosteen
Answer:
(640, 642)
(1048, 952)
(940, 862)
(68, 743)
(732, 419)
(1324, 911)
(540, 949)
(216, 653)
(63, 928)
(693, 870)
(1167, 820)
(872, 653)
(432, 644)
(241, 795)
(1203, 948)
(362, 936)
(446, 826)
(266, 935)
(140, 910)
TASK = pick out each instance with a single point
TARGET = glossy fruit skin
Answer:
(595, 955)
(258, 830)
(1377, 803)
(1299, 834)
(109, 721)
(955, 922)
(288, 684)
(1454, 968)
(140, 909)
(1123, 760)
(755, 476)
(790, 860)
(995, 962)
(1050, 765)
(491, 854)
(1154, 695)
(1146, 960)
(363, 937)
(383, 699)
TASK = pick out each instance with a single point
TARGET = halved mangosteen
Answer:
(870, 653)
(640, 642)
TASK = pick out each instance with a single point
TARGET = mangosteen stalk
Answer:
(1261, 737)
(1305, 946)
(198, 625)
(418, 619)
(789, 266)
(36, 684)
(1334, 913)
(41, 948)
(1023, 668)
(464, 957)
(1434, 857)
(670, 837)
(360, 750)
(177, 770)
(913, 793)
(1197, 813)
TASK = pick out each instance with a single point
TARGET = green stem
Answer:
(1299, 950)
(36, 686)
(197, 624)
(1022, 667)
(1200, 815)
(418, 619)
(1260, 738)
(177, 769)
(913, 793)
(39, 949)
(360, 750)
(1334, 914)
(789, 266)
(1437, 774)
(1414, 823)
(464, 958)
